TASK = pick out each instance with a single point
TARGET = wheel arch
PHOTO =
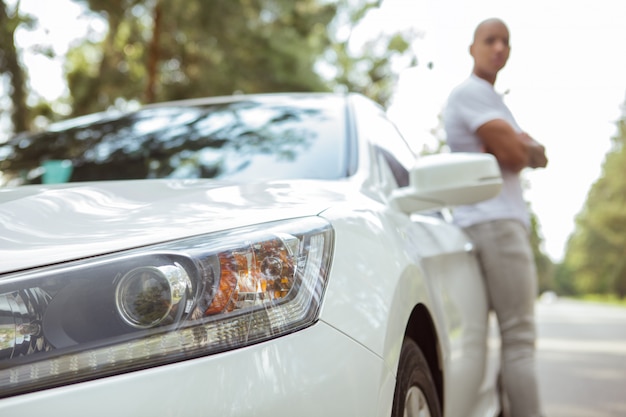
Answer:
(421, 329)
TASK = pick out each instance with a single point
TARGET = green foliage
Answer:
(603, 299)
(370, 69)
(158, 50)
(543, 263)
(10, 64)
(595, 260)
(167, 50)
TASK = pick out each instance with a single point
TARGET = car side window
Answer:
(389, 145)
(400, 173)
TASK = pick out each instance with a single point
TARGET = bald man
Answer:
(476, 119)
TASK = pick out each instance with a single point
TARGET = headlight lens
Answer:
(147, 296)
(160, 304)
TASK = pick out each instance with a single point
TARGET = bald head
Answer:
(489, 23)
(490, 48)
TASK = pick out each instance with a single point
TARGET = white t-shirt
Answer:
(471, 105)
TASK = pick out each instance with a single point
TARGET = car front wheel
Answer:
(415, 394)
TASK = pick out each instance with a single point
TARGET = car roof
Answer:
(242, 97)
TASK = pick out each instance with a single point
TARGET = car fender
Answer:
(376, 279)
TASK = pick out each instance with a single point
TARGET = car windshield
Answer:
(271, 137)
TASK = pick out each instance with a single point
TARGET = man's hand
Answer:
(514, 151)
(536, 151)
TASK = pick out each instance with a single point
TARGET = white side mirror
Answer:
(449, 179)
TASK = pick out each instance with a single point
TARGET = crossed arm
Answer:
(514, 151)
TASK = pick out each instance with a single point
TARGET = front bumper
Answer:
(314, 372)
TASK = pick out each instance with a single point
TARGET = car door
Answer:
(447, 258)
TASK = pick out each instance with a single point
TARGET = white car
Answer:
(254, 255)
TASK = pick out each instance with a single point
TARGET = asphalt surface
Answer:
(581, 358)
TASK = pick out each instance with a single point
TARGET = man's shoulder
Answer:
(470, 87)
(474, 93)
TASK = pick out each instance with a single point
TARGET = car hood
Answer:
(41, 225)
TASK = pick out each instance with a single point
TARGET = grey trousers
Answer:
(506, 258)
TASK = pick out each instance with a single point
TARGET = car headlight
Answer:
(160, 304)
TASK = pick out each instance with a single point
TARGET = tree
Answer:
(595, 259)
(166, 50)
(371, 68)
(10, 64)
(157, 50)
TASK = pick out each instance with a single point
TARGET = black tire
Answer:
(504, 402)
(415, 395)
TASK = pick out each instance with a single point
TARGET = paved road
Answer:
(582, 359)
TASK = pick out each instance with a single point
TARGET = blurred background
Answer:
(565, 82)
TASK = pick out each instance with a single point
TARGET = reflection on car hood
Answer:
(40, 225)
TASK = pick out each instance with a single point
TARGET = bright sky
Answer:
(566, 80)
(62, 23)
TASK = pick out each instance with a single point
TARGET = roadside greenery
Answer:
(603, 299)
(595, 260)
